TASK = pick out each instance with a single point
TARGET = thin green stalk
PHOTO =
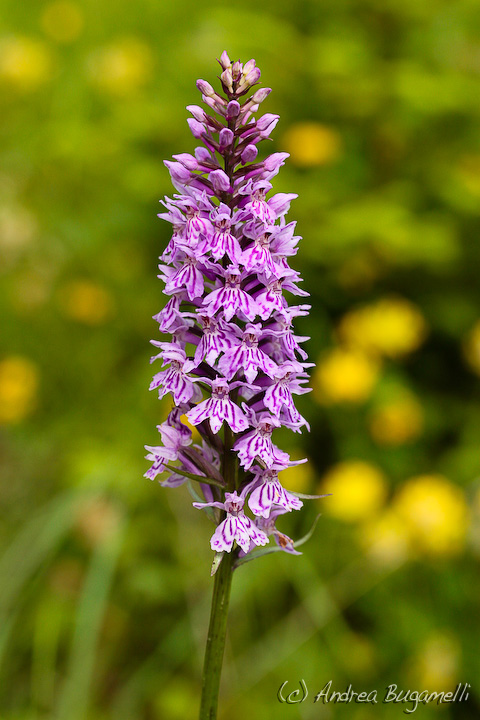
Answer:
(212, 667)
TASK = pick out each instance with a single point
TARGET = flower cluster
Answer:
(233, 363)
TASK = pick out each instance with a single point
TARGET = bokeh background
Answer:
(104, 576)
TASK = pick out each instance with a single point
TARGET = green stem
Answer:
(212, 667)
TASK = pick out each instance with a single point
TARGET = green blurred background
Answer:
(104, 576)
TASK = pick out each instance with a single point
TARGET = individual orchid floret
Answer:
(258, 442)
(267, 491)
(222, 242)
(189, 276)
(287, 379)
(219, 407)
(258, 255)
(237, 527)
(217, 337)
(282, 329)
(175, 379)
(247, 356)
(169, 315)
(255, 204)
(231, 298)
(175, 436)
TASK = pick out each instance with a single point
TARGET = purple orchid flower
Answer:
(247, 356)
(175, 436)
(237, 527)
(219, 407)
(266, 491)
(233, 364)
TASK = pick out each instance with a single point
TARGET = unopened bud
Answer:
(248, 67)
(205, 88)
(259, 96)
(267, 123)
(197, 129)
(237, 70)
(249, 154)
(202, 155)
(233, 109)
(178, 172)
(214, 103)
(253, 77)
(197, 112)
(227, 79)
(224, 60)
(225, 137)
(274, 161)
(187, 161)
(220, 181)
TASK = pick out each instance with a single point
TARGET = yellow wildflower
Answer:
(386, 539)
(397, 421)
(390, 326)
(435, 512)
(24, 63)
(123, 67)
(436, 665)
(62, 20)
(310, 144)
(86, 302)
(345, 375)
(358, 490)
(18, 227)
(18, 388)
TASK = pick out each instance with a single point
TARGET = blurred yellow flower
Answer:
(62, 20)
(386, 539)
(344, 375)
(310, 144)
(358, 490)
(435, 513)
(121, 68)
(397, 421)
(17, 228)
(297, 478)
(390, 326)
(86, 302)
(25, 63)
(471, 348)
(436, 665)
(18, 388)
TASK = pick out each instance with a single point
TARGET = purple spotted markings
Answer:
(232, 363)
